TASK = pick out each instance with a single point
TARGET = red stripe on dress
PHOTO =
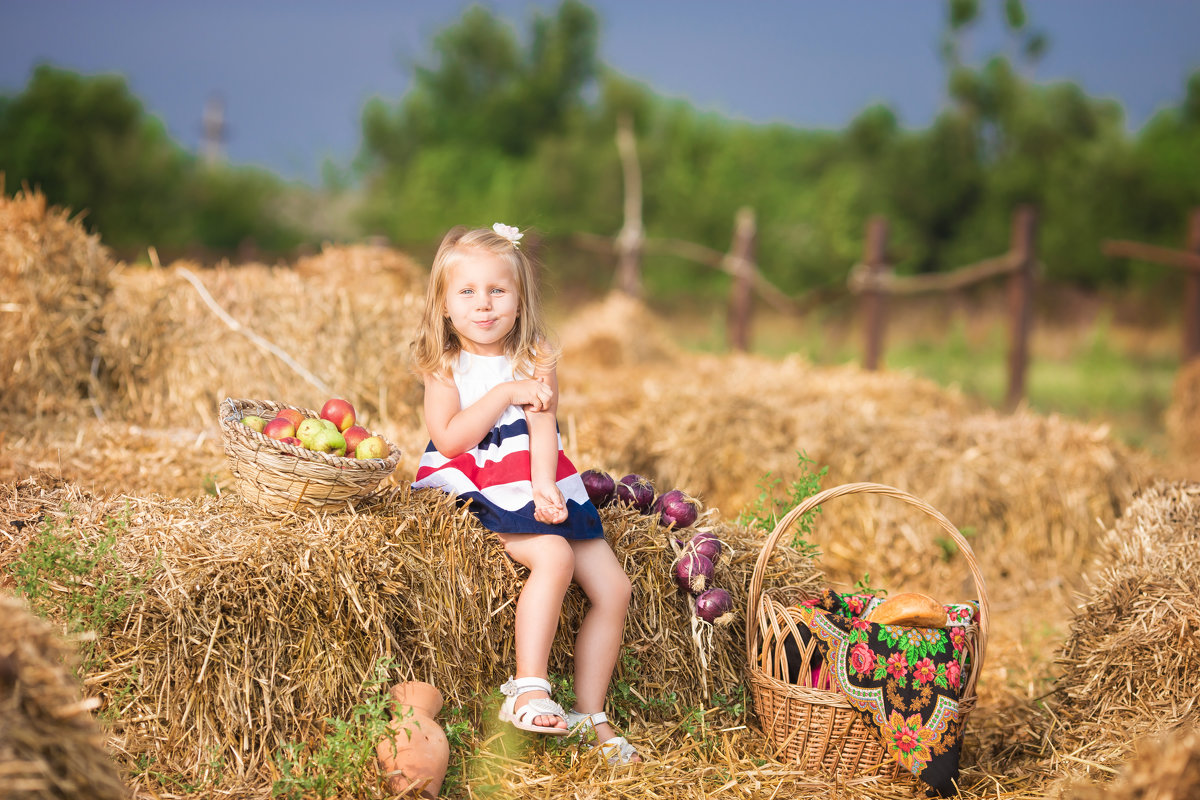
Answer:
(510, 469)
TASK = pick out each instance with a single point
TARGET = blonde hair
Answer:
(436, 348)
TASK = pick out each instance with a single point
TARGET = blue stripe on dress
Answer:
(583, 521)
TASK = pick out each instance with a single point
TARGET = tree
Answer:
(483, 90)
(88, 144)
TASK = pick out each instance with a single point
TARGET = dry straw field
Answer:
(200, 648)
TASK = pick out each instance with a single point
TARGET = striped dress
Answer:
(494, 475)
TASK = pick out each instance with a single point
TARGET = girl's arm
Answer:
(454, 430)
(548, 502)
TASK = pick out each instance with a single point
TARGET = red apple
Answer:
(354, 434)
(291, 440)
(339, 412)
(279, 428)
(372, 447)
(291, 414)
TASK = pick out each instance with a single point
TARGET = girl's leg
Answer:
(551, 563)
(598, 643)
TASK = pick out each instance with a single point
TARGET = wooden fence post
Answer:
(1020, 300)
(741, 298)
(875, 259)
(631, 239)
(1191, 294)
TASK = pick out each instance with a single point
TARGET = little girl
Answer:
(491, 395)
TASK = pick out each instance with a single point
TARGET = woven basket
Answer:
(814, 727)
(284, 478)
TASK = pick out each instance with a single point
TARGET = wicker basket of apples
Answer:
(286, 459)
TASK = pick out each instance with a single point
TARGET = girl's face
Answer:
(482, 301)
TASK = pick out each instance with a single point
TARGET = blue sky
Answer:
(294, 75)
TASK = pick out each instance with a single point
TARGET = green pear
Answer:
(254, 422)
(329, 425)
(307, 432)
(330, 441)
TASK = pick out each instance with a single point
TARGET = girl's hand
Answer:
(531, 394)
(549, 505)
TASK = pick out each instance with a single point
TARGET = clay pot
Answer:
(414, 752)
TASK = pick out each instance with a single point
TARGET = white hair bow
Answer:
(508, 232)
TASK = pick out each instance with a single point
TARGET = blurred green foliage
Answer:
(519, 126)
(483, 135)
(88, 144)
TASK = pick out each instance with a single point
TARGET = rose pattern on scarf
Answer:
(904, 681)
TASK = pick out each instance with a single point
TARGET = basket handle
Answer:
(754, 596)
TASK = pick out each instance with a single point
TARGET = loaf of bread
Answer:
(911, 610)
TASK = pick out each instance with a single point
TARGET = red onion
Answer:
(693, 572)
(709, 546)
(636, 491)
(715, 606)
(601, 487)
(675, 508)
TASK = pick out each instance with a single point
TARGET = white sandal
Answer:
(538, 707)
(617, 750)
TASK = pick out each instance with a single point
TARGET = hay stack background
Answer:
(1131, 665)
(615, 331)
(252, 631)
(369, 273)
(1028, 489)
(50, 747)
(55, 277)
(170, 359)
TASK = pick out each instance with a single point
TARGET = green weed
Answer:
(336, 764)
(775, 501)
(78, 581)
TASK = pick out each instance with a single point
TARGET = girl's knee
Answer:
(615, 594)
(623, 591)
(551, 555)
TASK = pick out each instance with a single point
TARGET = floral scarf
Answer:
(904, 681)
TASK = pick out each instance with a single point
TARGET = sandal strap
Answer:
(518, 686)
(577, 718)
(617, 750)
(540, 707)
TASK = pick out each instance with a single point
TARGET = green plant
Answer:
(948, 547)
(79, 580)
(774, 502)
(336, 763)
(462, 737)
(733, 703)
(863, 586)
(625, 695)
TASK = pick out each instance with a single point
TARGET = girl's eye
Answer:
(497, 291)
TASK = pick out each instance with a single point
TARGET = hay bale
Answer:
(110, 457)
(368, 271)
(55, 277)
(618, 330)
(170, 358)
(252, 631)
(1130, 668)
(1165, 769)
(1183, 415)
(50, 747)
